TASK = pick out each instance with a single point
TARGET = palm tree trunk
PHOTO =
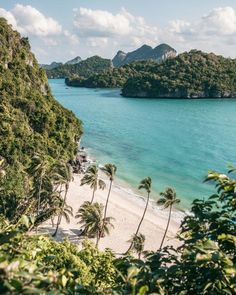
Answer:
(105, 214)
(105, 211)
(137, 231)
(167, 226)
(93, 196)
(60, 215)
(98, 239)
(39, 200)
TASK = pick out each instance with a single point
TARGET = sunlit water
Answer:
(173, 141)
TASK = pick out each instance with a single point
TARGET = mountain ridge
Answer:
(145, 52)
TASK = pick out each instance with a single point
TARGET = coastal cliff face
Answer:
(145, 52)
(31, 120)
(190, 75)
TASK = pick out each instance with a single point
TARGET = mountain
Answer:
(145, 52)
(74, 61)
(193, 74)
(85, 68)
(31, 120)
(53, 65)
(119, 58)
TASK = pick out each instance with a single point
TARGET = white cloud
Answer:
(105, 31)
(217, 23)
(72, 38)
(9, 17)
(100, 23)
(31, 22)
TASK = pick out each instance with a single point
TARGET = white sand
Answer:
(127, 209)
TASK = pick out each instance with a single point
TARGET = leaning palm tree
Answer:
(169, 198)
(57, 207)
(65, 175)
(91, 178)
(110, 171)
(145, 184)
(92, 221)
(39, 168)
(138, 243)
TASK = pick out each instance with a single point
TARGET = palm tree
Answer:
(145, 184)
(137, 242)
(39, 168)
(91, 178)
(169, 198)
(92, 221)
(110, 171)
(65, 175)
(83, 214)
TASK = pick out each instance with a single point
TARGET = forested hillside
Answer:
(190, 75)
(31, 120)
(84, 68)
(193, 74)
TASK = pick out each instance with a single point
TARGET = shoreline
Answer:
(126, 207)
(128, 188)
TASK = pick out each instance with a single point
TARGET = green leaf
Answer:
(143, 290)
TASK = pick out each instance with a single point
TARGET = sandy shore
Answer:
(127, 209)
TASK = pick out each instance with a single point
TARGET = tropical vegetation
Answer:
(168, 200)
(204, 263)
(193, 74)
(145, 184)
(38, 138)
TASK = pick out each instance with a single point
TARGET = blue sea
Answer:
(175, 142)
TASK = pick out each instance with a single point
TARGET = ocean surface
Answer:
(175, 142)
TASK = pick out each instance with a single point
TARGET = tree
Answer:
(168, 199)
(91, 178)
(39, 169)
(92, 221)
(145, 184)
(137, 242)
(65, 176)
(110, 171)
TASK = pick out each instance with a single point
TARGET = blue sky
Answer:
(60, 30)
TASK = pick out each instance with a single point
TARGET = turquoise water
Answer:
(174, 141)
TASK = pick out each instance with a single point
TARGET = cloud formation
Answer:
(101, 32)
(123, 27)
(31, 22)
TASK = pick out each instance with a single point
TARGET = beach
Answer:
(126, 208)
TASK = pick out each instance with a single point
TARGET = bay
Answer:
(174, 141)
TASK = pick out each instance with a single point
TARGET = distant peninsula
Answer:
(193, 74)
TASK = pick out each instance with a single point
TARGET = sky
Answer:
(60, 30)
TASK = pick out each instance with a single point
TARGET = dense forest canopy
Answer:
(189, 75)
(31, 120)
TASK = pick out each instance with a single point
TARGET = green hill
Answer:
(31, 120)
(190, 75)
(109, 78)
(84, 68)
